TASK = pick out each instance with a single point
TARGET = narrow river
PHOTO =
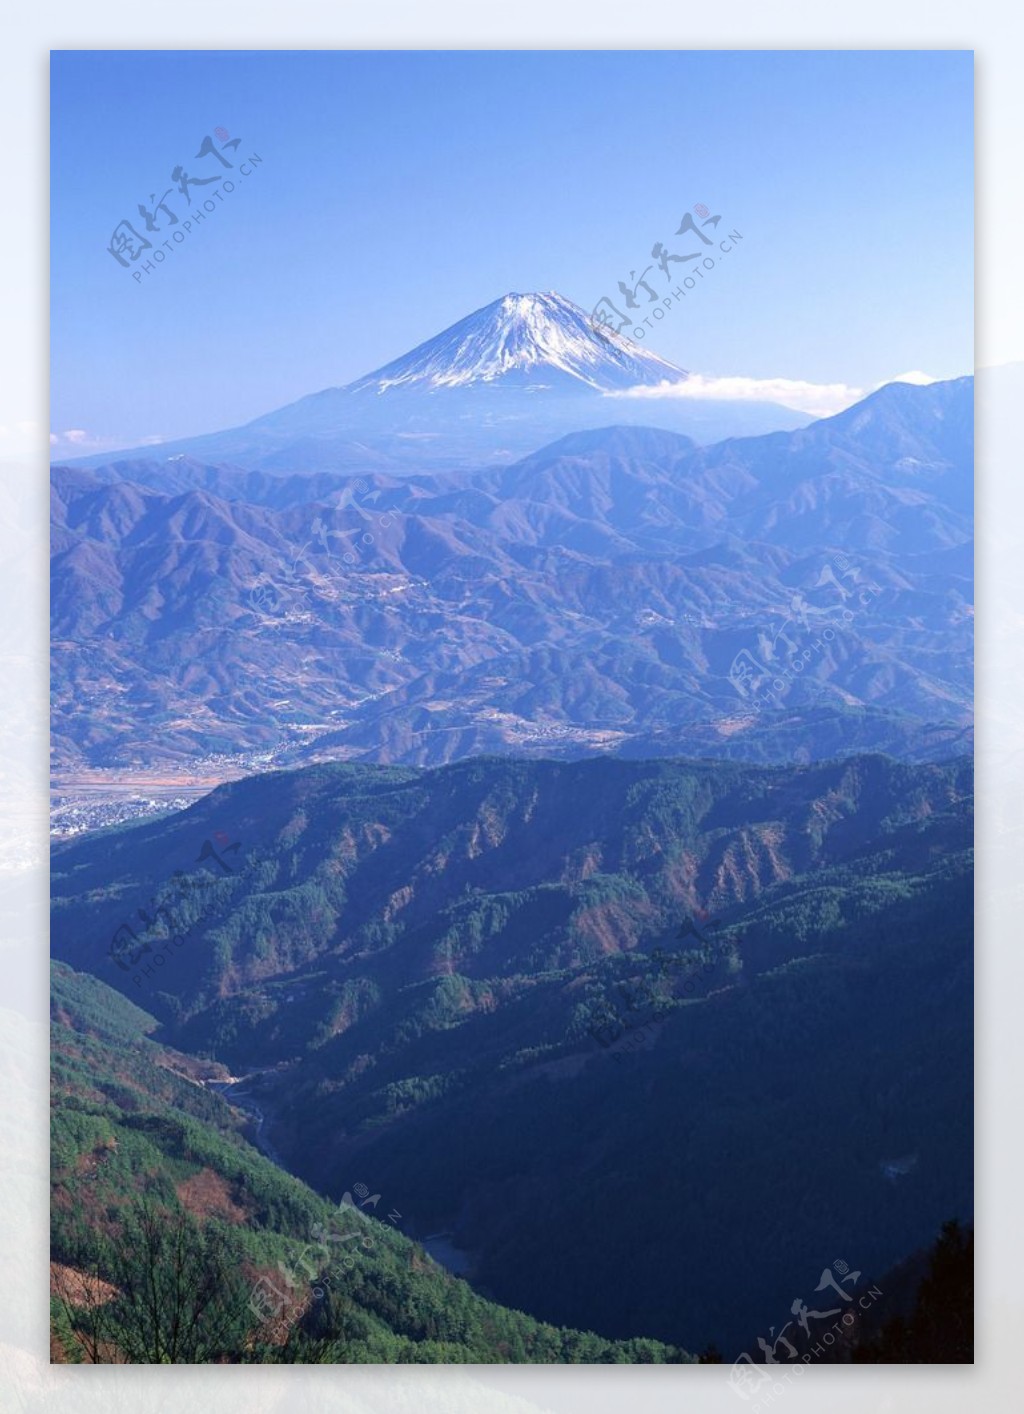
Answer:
(438, 1245)
(230, 1091)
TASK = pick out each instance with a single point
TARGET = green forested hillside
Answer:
(174, 1240)
(603, 1023)
(279, 909)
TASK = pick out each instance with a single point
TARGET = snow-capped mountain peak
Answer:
(535, 340)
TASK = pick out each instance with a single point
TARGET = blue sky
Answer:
(399, 191)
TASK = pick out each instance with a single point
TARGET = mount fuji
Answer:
(524, 341)
(521, 371)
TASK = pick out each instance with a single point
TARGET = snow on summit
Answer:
(540, 340)
(516, 375)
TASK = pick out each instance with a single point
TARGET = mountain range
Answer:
(621, 589)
